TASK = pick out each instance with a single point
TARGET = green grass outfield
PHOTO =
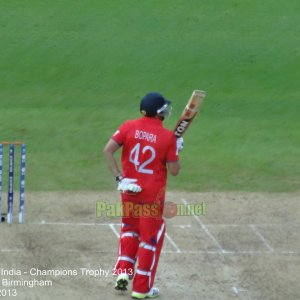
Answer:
(72, 71)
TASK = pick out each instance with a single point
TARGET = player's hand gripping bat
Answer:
(189, 113)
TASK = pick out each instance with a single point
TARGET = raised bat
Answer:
(189, 112)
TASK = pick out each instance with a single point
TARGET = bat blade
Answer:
(190, 111)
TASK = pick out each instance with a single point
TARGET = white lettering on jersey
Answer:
(143, 135)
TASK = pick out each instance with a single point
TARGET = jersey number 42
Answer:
(135, 156)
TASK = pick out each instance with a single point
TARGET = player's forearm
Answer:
(108, 151)
(112, 164)
(174, 168)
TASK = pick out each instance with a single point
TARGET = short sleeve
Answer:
(120, 134)
(172, 154)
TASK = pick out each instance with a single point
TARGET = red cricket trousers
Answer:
(141, 241)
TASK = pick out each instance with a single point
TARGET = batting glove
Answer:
(180, 143)
(128, 184)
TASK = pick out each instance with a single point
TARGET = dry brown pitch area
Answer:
(247, 246)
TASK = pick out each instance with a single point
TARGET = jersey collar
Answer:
(152, 120)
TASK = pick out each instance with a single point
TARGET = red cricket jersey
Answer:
(147, 147)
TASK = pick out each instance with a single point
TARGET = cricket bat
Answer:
(190, 111)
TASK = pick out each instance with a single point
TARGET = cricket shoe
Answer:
(122, 282)
(153, 293)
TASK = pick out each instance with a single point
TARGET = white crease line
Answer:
(278, 224)
(278, 253)
(174, 225)
(199, 252)
(112, 227)
(225, 225)
(260, 225)
(173, 243)
(226, 252)
(237, 290)
(99, 251)
(203, 226)
(255, 230)
(83, 251)
(93, 224)
(182, 226)
(9, 250)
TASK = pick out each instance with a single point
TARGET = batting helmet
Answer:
(153, 104)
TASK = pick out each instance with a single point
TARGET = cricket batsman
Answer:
(149, 152)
